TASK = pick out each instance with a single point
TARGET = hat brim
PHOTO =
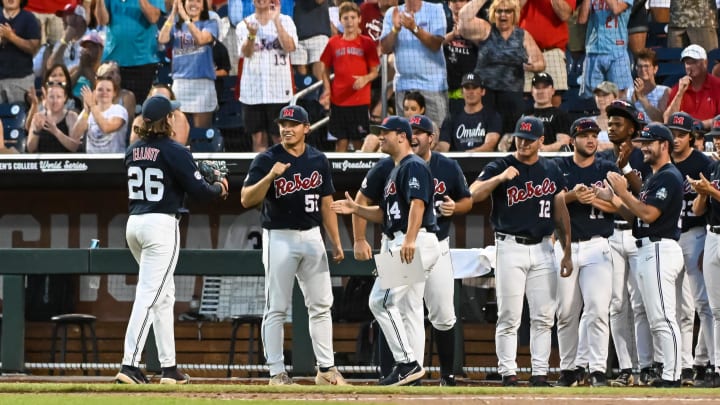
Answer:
(678, 128)
(543, 81)
(596, 130)
(429, 131)
(174, 105)
(713, 133)
(525, 135)
(375, 129)
(615, 111)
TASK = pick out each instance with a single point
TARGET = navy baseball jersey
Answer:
(524, 205)
(467, 131)
(160, 171)
(640, 168)
(293, 199)
(373, 184)
(410, 179)
(713, 210)
(449, 181)
(586, 220)
(696, 163)
(662, 190)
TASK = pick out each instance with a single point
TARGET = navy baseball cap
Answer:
(393, 123)
(715, 127)
(621, 108)
(654, 132)
(158, 107)
(422, 123)
(582, 125)
(542, 77)
(293, 113)
(473, 79)
(681, 121)
(530, 128)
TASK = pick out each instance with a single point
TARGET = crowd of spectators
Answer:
(81, 68)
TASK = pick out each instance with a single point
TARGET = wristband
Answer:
(416, 29)
(251, 37)
(394, 30)
(627, 169)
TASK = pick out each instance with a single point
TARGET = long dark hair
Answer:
(204, 14)
(68, 80)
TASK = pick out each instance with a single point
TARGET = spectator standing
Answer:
(693, 22)
(51, 128)
(123, 96)
(460, 58)
(51, 26)
(555, 120)
(546, 21)
(475, 129)
(67, 50)
(606, 45)
(371, 17)
(312, 22)
(648, 97)
(637, 26)
(505, 52)
(605, 93)
(415, 32)
(265, 40)
(19, 41)
(698, 92)
(354, 60)
(132, 40)
(103, 123)
(91, 49)
(193, 70)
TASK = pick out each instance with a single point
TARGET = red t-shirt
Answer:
(349, 58)
(371, 20)
(539, 19)
(703, 104)
(47, 6)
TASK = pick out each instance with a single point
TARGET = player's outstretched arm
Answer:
(361, 248)
(349, 206)
(330, 223)
(254, 194)
(561, 216)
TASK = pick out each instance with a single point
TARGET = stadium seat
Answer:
(668, 54)
(206, 140)
(669, 72)
(13, 121)
(713, 58)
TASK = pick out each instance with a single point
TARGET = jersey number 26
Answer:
(145, 184)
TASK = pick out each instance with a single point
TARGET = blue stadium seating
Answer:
(206, 140)
(13, 121)
(668, 54)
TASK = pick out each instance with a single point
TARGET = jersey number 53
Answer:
(145, 184)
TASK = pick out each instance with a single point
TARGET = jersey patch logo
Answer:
(715, 184)
(197, 175)
(390, 188)
(364, 183)
(516, 195)
(661, 194)
(284, 186)
(440, 188)
(414, 183)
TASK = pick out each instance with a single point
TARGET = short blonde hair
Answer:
(513, 4)
(348, 7)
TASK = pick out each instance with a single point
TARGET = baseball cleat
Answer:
(448, 381)
(661, 383)
(568, 378)
(539, 381)
(510, 381)
(404, 374)
(699, 373)
(687, 377)
(330, 377)
(580, 375)
(171, 376)
(281, 379)
(130, 375)
(625, 379)
(598, 379)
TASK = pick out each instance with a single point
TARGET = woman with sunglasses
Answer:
(57, 75)
(103, 123)
(505, 53)
(50, 128)
(180, 126)
(193, 69)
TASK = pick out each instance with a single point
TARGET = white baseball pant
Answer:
(154, 241)
(693, 297)
(588, 290)
(711, 274)
(440, 290)
(524, 270)
(287, 255)
(658, 267)
(404, 330)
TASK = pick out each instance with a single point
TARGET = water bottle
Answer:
(709, 146)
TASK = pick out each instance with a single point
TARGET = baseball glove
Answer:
(213, 170)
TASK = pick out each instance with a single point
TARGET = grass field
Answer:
(109, 394)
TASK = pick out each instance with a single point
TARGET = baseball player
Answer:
(408, 218)
(589, 288)
(527, 207)
(293, 182)
(623, 123)
(160, 173)
(708, 203)
(692, 295)
(655, 214)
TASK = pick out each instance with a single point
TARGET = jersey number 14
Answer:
(145, 184)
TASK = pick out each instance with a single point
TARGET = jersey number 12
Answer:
(145, 184)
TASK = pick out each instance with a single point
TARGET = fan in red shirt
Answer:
(697, 93)
(354, 60)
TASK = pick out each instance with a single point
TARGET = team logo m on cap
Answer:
(288, 113)
(679, 120)
(525, 126)
(415, 120)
